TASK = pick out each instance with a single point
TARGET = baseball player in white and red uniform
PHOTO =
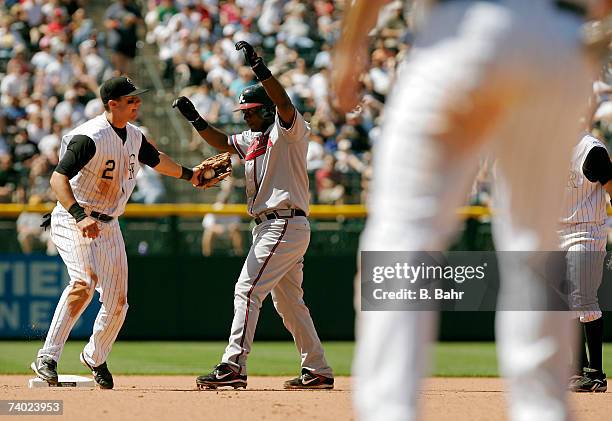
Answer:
(274, 151)
(99, 161)
(508, 76)
(583, 237)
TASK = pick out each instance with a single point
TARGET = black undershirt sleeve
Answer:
(148, 155)
(79, 152)
(597, 166)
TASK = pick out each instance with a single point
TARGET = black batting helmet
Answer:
(254, 96)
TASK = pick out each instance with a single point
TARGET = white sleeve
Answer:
(298, 131)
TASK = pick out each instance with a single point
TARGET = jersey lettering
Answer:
(108, 172)
(131, 165)
(258, 147)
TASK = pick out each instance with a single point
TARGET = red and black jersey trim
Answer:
(248, 297)
(258, 147)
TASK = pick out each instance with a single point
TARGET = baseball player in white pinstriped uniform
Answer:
(583, 235)
(501, 75)
(274, 151)
(99, 161)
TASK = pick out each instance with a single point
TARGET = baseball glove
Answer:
(213, 169)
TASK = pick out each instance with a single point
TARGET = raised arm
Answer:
(276, 92)
(213, 136)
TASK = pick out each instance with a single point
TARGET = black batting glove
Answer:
(257, 64)
(186, 107)
(249, 52)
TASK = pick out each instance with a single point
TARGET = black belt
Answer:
(274, 215)
(565, 5)
(101, 216)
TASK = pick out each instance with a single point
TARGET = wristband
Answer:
(77, 212)
(200, 124)
(261, 71)
(186, 174)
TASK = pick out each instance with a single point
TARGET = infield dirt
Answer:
(176, 398)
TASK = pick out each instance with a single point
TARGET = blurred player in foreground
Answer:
(510, 77)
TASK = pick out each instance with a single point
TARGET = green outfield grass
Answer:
(453, 359)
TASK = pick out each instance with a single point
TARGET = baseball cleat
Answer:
(101, 375)
(222, 375)
(572, 380)
(577, 375)
(591, 381)
(45, 367)
(310, 380)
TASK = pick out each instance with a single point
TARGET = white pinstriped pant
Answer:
(93, 265)
(524, 57)
(586, 251)
(274, 265)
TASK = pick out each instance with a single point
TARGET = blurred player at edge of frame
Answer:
(483, 75)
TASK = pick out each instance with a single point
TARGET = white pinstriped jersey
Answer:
(584, 202)
(106, 182)
(275, 166)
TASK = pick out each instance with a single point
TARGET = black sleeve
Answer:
(148, 155)
(79, 152)
(597, 166)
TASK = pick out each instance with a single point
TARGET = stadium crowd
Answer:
(53, 58)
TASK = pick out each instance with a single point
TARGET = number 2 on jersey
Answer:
(108, 172)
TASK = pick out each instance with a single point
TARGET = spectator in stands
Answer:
(165, 10)
(121, 20)
(149, 184)
(245, 78)
(81, 27)
(379, 77)
(271, 17)
(9, 179)
(60, 72)
(149, 187)
(14, 84)
(330, 191)
(31, 236)
(37, 127)
(23, 149)
(49, 144)
(217, 225)
(69, 112)
(95, 65)
(43, 57)
(316, 153)
(13, 111)
(39, 179)
(346, 160)
(295, 29)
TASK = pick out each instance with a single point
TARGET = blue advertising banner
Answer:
(30, 287)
